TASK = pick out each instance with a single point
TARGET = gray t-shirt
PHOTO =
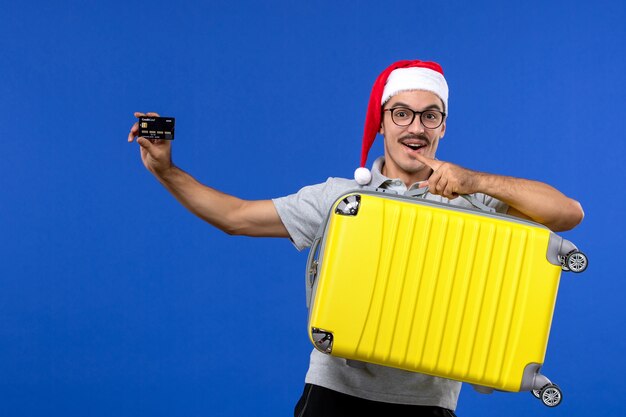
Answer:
(302, 214)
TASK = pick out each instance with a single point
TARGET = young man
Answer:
(408, 106)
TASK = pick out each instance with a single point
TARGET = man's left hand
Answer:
(449, 180)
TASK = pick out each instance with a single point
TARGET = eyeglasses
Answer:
(431, 119)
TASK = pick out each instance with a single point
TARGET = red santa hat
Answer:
(399, 76)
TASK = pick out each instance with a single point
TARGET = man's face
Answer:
(403, 142)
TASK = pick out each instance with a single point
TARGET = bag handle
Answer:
(421, 192)
(311, 269)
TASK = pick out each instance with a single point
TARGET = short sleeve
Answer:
(304, 212)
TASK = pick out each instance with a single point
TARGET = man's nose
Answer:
(416, 125)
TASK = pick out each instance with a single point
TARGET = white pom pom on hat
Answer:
(363, 176)
(399, 76)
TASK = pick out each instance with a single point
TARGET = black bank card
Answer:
(156, 127)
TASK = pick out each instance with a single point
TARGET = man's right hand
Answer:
(156, 154)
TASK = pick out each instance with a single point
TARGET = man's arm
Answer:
(228, 213)
(526, 198)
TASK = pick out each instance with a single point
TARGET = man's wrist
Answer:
(166, 174)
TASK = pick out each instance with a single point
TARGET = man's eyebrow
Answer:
(430, 107)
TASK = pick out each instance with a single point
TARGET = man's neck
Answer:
(407, 178)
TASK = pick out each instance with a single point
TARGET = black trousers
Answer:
(323, 402)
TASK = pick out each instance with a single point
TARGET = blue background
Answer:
(115, 301)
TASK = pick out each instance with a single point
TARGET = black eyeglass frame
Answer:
(443, 116)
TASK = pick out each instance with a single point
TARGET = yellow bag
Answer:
(438, 289)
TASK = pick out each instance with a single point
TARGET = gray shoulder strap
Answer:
(421, 192)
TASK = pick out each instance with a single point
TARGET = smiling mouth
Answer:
(414, 146)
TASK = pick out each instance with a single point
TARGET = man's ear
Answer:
(443, 130)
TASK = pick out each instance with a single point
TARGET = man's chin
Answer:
(405, 166)
(415, 167)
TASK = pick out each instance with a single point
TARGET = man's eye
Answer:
(401, 113)
(431, 115)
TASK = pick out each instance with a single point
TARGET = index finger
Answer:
(430, 162)
(151, 114)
